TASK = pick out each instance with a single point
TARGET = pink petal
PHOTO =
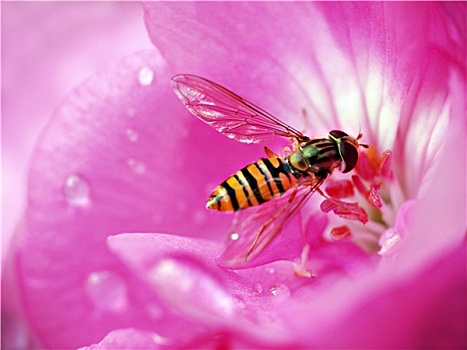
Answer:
(111, 161)
(40, 61)
(182, 273)
(128, 338)
(426, 309)
(32, 73)
(193, 293)
(394, 69)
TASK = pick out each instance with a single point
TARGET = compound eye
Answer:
(349, 154)
(337, 134)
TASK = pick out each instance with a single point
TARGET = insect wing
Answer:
(228, 113)
(267, 221)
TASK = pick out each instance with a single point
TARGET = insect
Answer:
(278, 185)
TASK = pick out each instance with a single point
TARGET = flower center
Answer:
(369, 186)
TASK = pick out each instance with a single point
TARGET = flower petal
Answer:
(114, 158)
(128, 338)
(433, 314)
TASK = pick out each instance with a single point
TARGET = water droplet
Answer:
(159, 340)
(107, 291)
(270, 270)
(76, 191)
(136, 166)
(191, 288)
(145, 76)
(234, 236)
(132, 135)
(280, 291)
(258, 288)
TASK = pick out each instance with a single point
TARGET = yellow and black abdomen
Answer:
(253, 185)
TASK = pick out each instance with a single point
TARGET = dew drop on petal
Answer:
(76, 191)
(136, 166)
(107, 291)
(159, 339)
(258, 288)
(145, 76)
(280, 291)
(234, 236)
(191, 288)
(131, 135)
(270, 270)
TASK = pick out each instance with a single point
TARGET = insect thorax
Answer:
(318, 156)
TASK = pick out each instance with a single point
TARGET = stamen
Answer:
(351, 211)
(373, 197)
(386, 160)
(339, 189)
(369, 163)
(340, 232)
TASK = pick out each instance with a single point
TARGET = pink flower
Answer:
(117, 249)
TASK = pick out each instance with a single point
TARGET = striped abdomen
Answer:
(254, 184)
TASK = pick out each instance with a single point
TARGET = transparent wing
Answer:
(257, 230)
(228, 113)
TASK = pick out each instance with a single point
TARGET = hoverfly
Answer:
(278, 185)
